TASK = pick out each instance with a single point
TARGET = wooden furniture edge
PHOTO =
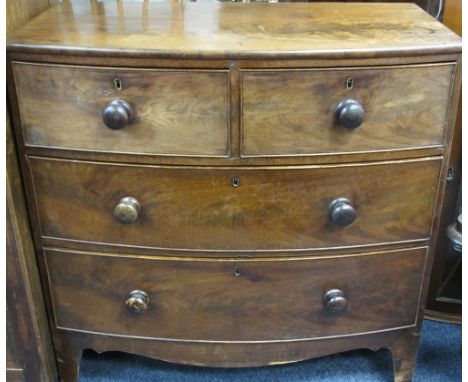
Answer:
(31, 301)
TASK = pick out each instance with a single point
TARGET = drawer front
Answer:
(173, 112)
(295, 112)
(268, 208)
(234, 300)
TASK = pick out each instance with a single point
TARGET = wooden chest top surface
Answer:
(235, 31)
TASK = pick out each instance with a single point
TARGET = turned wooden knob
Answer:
(335, 301)
(342, 212)
(117, 114)
(137, 302)
(127, 210)
(350, 114)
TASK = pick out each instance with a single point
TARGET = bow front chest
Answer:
(234, 184)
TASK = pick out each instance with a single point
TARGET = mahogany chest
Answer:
(234, 184)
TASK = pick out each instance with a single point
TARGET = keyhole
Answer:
(118, 84)
(235, 181)
(237, 272)
(349, 83)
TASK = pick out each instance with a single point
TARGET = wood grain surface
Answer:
(71, 344)
(175, 112)
(272, 208)
(235, 300)
(18, 12)
(221, 263)
(293, 112)
(223, 30)
(30, 355)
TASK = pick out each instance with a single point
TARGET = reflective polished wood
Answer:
(403, 106)
(173, 112)
(226, 30)
(198, 209)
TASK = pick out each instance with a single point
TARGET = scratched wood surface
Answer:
(235, 30)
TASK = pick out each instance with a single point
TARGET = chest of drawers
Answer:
(234, 184)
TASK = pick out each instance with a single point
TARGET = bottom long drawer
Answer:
(235, 299)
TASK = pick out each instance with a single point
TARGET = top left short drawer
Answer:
(148, 111)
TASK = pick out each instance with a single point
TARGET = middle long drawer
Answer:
(235, 208)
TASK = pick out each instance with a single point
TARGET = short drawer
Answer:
(167, 112)
(295, 112)
(235, 300)
(252, 208)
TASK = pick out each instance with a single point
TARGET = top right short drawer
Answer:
(345, 110)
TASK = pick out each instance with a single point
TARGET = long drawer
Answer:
(253, 208)
(296, 112)
(169, 112)
(233, 299)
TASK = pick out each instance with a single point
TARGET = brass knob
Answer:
(127, 210)
(335, 301)
(117, 114)
(350, 114)
(342, 212)
(137, 303)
